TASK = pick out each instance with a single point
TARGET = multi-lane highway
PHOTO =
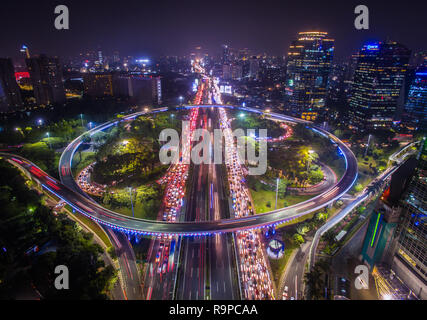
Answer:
(207, 264)
(160, 278)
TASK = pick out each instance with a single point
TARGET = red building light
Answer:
(20, 75)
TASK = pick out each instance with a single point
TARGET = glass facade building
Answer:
(380, 72)
(416, 105)
(412, 242)
(308, 67)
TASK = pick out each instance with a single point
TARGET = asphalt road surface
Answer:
(207, 265)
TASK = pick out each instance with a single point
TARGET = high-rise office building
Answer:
(140, 89)
(100, 58)
(98, 84)
(380, 247)
(308, 66)
(418, 59)
(46, 77)
(410, 260)
(336, 85)
(226, 55)
(10, 95)
(253, 67)
(377, 82)
(416, 105)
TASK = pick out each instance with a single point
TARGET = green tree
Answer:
(298, 238)
(302, 229)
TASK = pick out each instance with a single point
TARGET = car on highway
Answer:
(285, 293)
(157, 256)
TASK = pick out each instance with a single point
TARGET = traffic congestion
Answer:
(254, 273)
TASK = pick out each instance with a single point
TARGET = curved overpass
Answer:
(69, 191)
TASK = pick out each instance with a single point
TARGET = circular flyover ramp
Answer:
(69, 191)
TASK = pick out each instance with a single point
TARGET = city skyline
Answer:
(201, 150)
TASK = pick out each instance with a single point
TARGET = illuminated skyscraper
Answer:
(396, 236)
(410, 262)
(308, 66)
(10, 96)
(225, 54)
(46, 77)
(377, 83)
(416, 106)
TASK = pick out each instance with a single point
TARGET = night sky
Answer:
(148, 28)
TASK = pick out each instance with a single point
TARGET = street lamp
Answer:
(48, 139)
(277, 192)
(20, 130)
(180, 100)
(40, 122)
(81, 118)
(90, 125)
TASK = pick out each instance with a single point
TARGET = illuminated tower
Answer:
(410, 261)
(416, 106)
(377, 82)
(225, 54)
(308, 66)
